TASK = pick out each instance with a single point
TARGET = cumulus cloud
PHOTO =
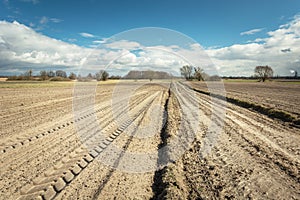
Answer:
(87, 35)
(240, 59)
(126, 59)
(21, 46)
(122, 44)
(251, 32)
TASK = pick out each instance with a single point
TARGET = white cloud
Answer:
(21, 46)
(104, 40)
(55, 20)
(251, 32)
(240, 59)
(123, 44)
(1, 40)
(72, 40)
(43, 23)
(160, 58)
(87, 35)
(44, 20)
(98, 41)
(127, 59)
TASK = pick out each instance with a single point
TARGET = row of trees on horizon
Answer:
(60, 75)
(188, 72)
(262, 73)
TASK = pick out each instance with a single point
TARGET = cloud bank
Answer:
(280, 49)
(21, 48)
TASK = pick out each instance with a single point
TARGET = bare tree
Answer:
(72, 76)
(186, 71)
(30, 73)
(263, 72)
(61, 73)
(90, 76)
(102, 75)
(44, 75)
(27, 75)
(50, 73)
(198, 73)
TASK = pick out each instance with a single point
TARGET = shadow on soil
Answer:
(270, 112)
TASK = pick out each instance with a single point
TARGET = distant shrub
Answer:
(84, 80)
(102, 75)
(43, 75)
(72, 76)
(19, 78)
(115, 77)
(12, 78)
(214, 78)
(58, 78)
(61, 73)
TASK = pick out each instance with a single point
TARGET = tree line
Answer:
(189, 73)
(147, 74)
(61, 75)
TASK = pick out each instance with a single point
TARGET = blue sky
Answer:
(209, 22)
(214, 24)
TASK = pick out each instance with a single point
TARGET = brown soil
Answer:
(276, 95)
(255, 158)
(49, 150)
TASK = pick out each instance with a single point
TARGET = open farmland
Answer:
(281, 96)
(58, 142)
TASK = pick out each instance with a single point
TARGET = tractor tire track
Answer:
(55, 178)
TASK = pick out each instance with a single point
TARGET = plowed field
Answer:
(144, 140)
